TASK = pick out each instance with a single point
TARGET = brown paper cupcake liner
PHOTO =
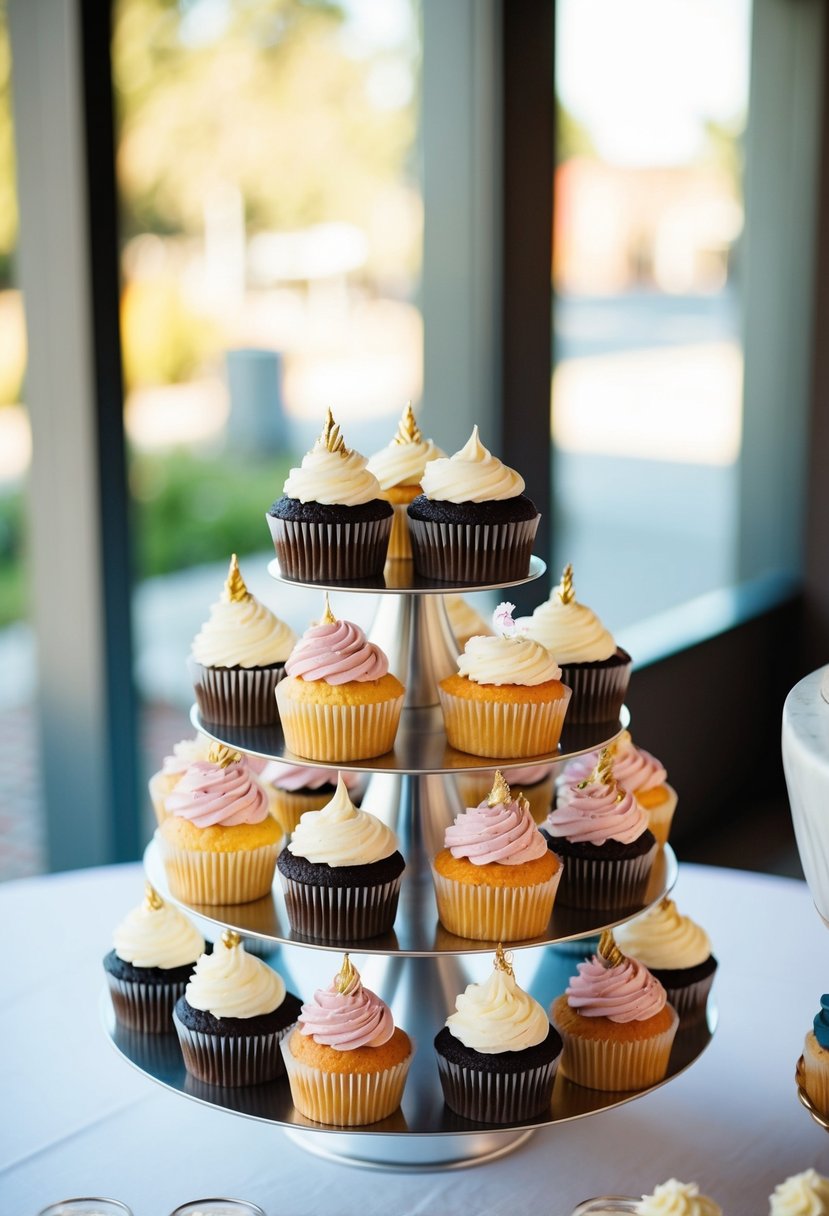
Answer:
(316, 552)
(661, 817)
(337, 734)
(473, 788)
(495, 914)
(495, 1097)
(606, 885)
(341, 914)
(816, 1074)
(617, 1064)
(472, 553)
(690, 1000)
(218, 878)
(503, 729)
(231, 1060)
(598, 692)
(142, 1006)
(236, 696)
(344, 1099)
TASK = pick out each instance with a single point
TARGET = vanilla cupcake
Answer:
(298, 788)
(331, 521)
(339, 702)
(816, 1059)
(497, 1054)
(640, 773)
(399, 467)
(534, 781)
(674, 1198)
(805, 1194)
(506, 700)
(341, 872)
(472, 523)
(238, 657)
(346, 1060)
(174, 766)
(232, 1017)
(677, 951)
(597, 670)
(154, 951)
(464, 621)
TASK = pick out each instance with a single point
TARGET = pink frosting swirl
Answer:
(597, 813)
(624, 993)
(336, 653)
(633, 767)
(293, 777)
(505, 833)
(347, 1020)
(530, 774)
(209, 796)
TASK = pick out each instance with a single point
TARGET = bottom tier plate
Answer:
(805, 1100)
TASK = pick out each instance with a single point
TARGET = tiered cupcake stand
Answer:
(419, 968)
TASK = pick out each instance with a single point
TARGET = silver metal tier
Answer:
(399, 577)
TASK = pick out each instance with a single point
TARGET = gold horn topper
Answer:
(223, 755)
(330, 439)
(231, 938)
(152, 900)
(608, 951)
(347, 978)
(500, 791)
(327, 617)
(408, 431)
(565, 590)
(602, 773)
(235, 591)
(503, 961)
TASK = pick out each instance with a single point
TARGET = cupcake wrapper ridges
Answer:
(315, 552)
(337, 734)
(231, 1060)
(236, 696)
(617, 1065)
(218, 878)
(341, 914)
(144, 1007)
(472, 553)
(660, 817)
(816, 1074)
(598, 692)
(496, 1097)
(606, 885)
(691, 1001)
(344, 1099)
(495, 914)
(505, 729)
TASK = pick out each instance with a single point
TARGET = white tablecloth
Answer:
(75, 1119)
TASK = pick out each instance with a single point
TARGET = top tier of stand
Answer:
(400, 578)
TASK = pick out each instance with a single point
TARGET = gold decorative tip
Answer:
(152, 900)
(231, 939)
(330, 439)
(503, 961)
(608, 951)
(327, 617)
(565, 591)
(524, 804)
(500, 790)
(408, 431)
(235, 591)
(347, 978)
(603, 771)
(223, 755)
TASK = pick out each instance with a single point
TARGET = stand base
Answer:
(410, 1154)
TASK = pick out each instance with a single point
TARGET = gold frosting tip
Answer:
(565, 591)
(231, 938)
(347, 977)
(503, 961)
(327, 617)
(330, 438)
(223, 755)
(235, 591)
(608, 951)
(152, 900)
(408, 431)
(499, 792)
(603, 771)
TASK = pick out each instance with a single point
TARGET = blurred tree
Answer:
(572, 136)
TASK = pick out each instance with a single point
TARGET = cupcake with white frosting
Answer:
(238, 657)
(331, 522)
(805, 1194)
(176, 764)
(298, 788)
(232, 1016)
(673, 1198)
(155, 948)
(640, 773)
(597, 670)
(677, 951)
(497, 1054)
(399, 467)
(507, 699)
(341, 872)
(473, 523)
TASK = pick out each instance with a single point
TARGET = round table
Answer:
(75, 1119)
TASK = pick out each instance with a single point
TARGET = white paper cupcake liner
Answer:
(218, 878)
(598, 692)
(142, 1006)
(344, 1099)
(497, 1097)
(617, 1065)
(231, 1060)
(338, 734)
(816, 1073)
(472, 553)
(473, 788)
(661, 817)
(503, 729)
(606, 885)
(341, 914)
(316, 552)
(495, 914)
(236, 696)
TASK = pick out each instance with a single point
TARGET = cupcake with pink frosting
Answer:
(346, 1060)
(601, 834)
(298, 788)
(219, 843)
(640, 773)
(339, 702)
(175, 765)
(535, 782)
(615, 1021)
(495, 879)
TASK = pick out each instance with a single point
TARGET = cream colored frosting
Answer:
(518, 660)
(464, 620)
(498, 1016)
(663, 938)
(230, 983)
(571, 631)
(805, 1194)
(402, 464)
(333, 478)
(162, 936)
(473, 474)
(184, 753)
(242, 633)
(342, 835)
(674, 1198)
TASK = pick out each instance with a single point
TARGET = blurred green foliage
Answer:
(12, 582)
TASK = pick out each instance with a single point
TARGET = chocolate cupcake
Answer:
(498, 1054)
(341, 873)
(677, 951)
(472, 523)
(331, 521)
(232, 1016)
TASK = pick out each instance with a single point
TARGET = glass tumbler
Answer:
(90, 1206)
(218, 1207)
(607, 1205)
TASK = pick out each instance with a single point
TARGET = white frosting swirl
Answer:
(402, 464)
(242, 633)
(518, 660)
(184, 753)
(333, 478)
(662, 938)
(230, 983)
(674, 1198)
(805, 1194)
(342, 835)
(472, 475)
(498, 1016)
(464, 620)
(157, 937)
(571, 631)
